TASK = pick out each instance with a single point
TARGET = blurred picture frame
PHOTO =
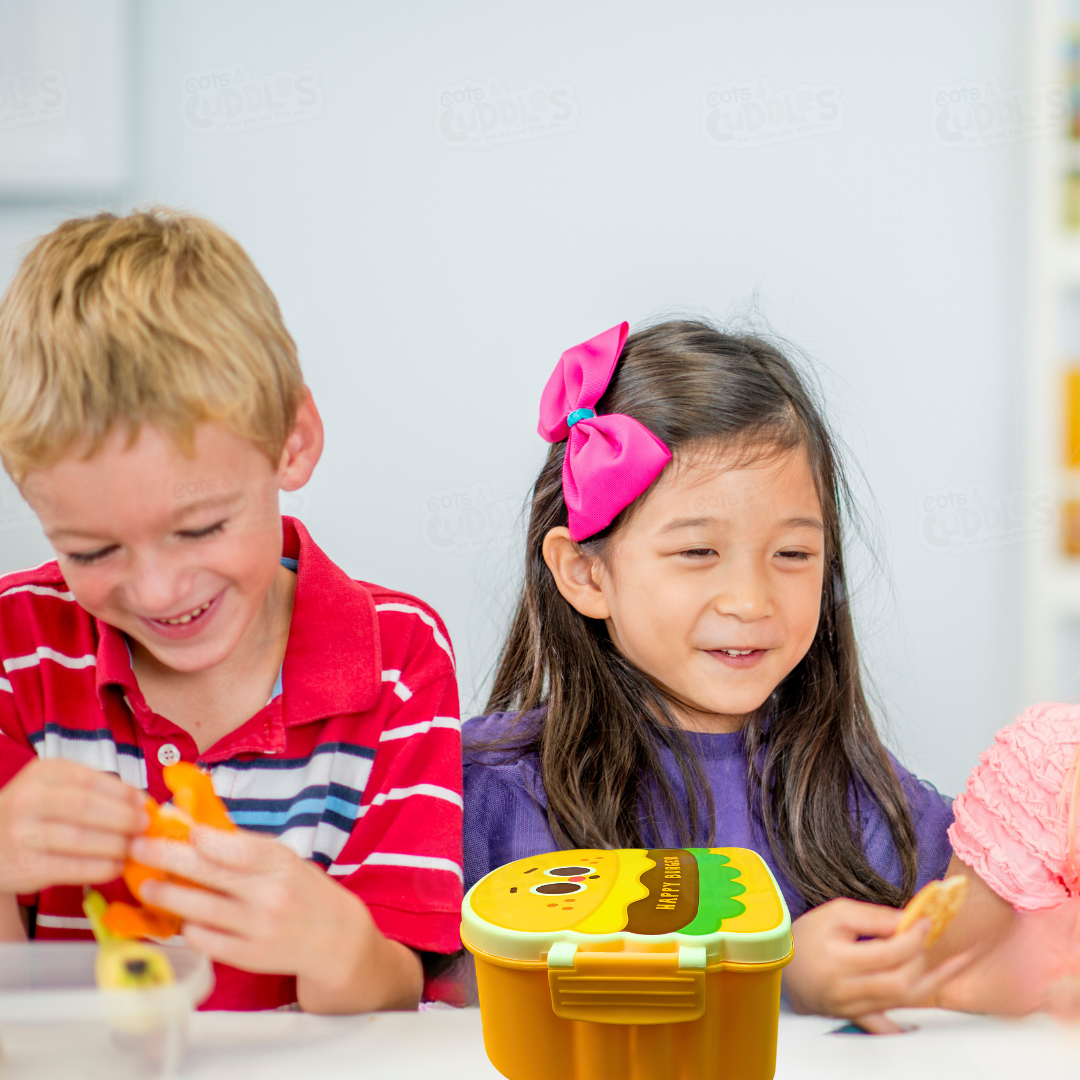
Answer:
(65, 99)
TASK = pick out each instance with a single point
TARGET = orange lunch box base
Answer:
(634, 964)
(735, 1037)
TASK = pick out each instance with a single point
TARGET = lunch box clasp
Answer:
(626, 987)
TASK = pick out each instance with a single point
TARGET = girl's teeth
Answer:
(737, 652)
(187, 618)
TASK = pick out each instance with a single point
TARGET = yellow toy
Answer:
(123, 964)
(659, 964)
(194, 802)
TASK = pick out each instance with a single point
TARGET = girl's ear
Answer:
(576, 574)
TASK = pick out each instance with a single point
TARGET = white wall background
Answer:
(431, 287)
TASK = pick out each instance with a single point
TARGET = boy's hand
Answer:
(836, 974)
(272, 911)
(62, 823)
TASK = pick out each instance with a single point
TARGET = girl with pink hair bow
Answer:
(682, 667)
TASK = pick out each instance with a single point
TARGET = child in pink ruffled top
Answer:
(1014, 838)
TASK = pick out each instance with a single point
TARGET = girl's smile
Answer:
(738, 658)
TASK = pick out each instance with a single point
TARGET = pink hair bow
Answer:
(611, 459)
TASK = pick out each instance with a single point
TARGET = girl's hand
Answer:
(837, 974)
(272, 911)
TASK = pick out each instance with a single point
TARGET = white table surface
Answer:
(447, 1045)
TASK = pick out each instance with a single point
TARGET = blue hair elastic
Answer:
(579, 414)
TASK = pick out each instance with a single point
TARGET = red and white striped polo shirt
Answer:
(355, 764)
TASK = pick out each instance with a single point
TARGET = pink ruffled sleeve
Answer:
(1011, 820)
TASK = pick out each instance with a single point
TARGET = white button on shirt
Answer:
(168, 754)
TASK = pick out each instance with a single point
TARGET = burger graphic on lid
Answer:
(689, 891)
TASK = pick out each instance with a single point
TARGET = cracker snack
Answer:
(938, 901)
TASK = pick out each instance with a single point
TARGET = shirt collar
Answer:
(332, 659)
(333, 663)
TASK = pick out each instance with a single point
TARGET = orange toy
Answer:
(194, 802)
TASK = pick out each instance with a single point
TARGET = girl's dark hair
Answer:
(812, 746)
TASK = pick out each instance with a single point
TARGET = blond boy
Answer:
(151, 409)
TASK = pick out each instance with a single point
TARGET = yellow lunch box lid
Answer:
(721, 903)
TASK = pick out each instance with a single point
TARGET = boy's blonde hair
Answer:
(157, 317)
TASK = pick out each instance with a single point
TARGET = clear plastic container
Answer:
(55, 1022)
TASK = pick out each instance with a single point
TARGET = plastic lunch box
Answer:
(641, 964)
(55, 1022)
